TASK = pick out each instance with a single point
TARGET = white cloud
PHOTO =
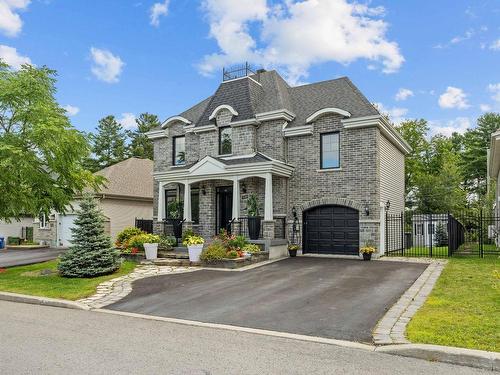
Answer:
(396, 114)
(10, 21)
(495, 46)
(453, 97)
(403, 94)
(10, 56)
(71, 110)
(106, 66)
(461, 38)
(128, 120)
(158, 10)
(296, 35)
(495, 90)
(485, 107)
(447, 128)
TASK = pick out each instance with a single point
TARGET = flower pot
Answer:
(194, 252)
(151, 250)
(254, 227)
(367, 256)
(292, 253)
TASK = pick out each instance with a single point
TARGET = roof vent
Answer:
(237, 71)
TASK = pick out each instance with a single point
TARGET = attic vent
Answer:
(237, 71)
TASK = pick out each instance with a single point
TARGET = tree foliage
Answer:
(41, 154)
(91, 253)
(140, 146)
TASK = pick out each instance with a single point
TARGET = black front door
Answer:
(224, 207)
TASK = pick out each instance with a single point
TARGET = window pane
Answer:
(180, 150)
(225, 141)
(330, 147)
(195, 205)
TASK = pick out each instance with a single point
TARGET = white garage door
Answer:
(66, 222)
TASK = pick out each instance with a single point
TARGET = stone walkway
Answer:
(391, 328)
(113, 290)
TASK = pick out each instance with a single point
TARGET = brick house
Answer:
(319, 155)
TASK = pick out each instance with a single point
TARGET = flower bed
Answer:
(237, 262)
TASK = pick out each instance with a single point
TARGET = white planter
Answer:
(151, 250)
(194, 252)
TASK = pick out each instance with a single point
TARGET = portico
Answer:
(223, 185)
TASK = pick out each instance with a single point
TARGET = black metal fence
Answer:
(144, 224)
(442, 235)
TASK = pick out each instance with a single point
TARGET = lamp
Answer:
(203, 191)
(387, 205)
(367, 210)
(294, 212)
(244, 188)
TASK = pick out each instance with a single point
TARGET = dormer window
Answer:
(179, 150)
(225, 140)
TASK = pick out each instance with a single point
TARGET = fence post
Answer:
(383, 230)
(431, 235)
(449, 227)
(402, 233)
(481, 255)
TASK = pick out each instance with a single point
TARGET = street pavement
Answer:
(11, 258)
(46, 340)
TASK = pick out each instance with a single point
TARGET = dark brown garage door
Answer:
(331, 230)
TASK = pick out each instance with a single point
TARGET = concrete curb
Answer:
(293, 336)
(448, 354)
(44, 301)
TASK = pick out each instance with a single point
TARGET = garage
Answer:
(66, 222)
(331, 229)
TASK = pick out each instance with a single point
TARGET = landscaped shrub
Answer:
(252, 248)
(125, 235)
(238, 242)
(92, 253)
(232, 254)
(214, 251)
(167, 243)
(187, 233)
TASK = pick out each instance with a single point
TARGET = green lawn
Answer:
(28, 280)
(464, 307)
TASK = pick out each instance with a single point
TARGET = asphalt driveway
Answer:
(11, 258)
(333, 298)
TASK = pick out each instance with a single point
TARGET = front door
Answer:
(224, 207)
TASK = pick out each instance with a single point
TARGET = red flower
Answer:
(134, 250)
(3, 270)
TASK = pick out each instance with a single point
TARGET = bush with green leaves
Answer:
(232, 254)
(186, 234)
(138, 241)
(213, 252)
(252, 205)
(237, 242)
(252, 248)
(167, 243)
(91, 253)
(125, 235)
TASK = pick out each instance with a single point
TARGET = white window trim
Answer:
(43, 222)
(325, 111)
(220, 108)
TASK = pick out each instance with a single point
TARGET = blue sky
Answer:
(127, 57)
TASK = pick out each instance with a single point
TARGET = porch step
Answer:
(175, 254)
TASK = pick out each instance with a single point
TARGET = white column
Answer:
(187, 201)
(381, 247)
(236, 198)
(161, 199)
(268, 198)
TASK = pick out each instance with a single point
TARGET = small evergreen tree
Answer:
(140, 145)
(91, 253)
(441, 235)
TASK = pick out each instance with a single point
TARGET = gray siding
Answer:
(392, 175)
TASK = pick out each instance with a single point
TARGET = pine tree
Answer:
(108, 145)
(91, 253)
(441, 235)
(140, 146)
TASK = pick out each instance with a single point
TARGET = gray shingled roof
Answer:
(257, 158)
(249, 98)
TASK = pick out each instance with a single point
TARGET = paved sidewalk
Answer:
(391, 328)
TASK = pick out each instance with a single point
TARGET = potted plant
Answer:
(146, 242)
(175, 213)
(292, 250)
(254, 220)
(367, 251)
(195, 247)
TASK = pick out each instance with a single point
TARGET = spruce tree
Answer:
(91, 253)
(140, 146)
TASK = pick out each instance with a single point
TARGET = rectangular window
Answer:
(225, 141)
(179, 154)
(419, 229)
(195, 205)
(330, 150)
(44, 223)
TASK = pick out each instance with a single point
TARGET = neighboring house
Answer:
(321, 151)
(128, 194)
(16, 228)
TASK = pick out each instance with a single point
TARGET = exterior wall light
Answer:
(367, 210)
(387, 205)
